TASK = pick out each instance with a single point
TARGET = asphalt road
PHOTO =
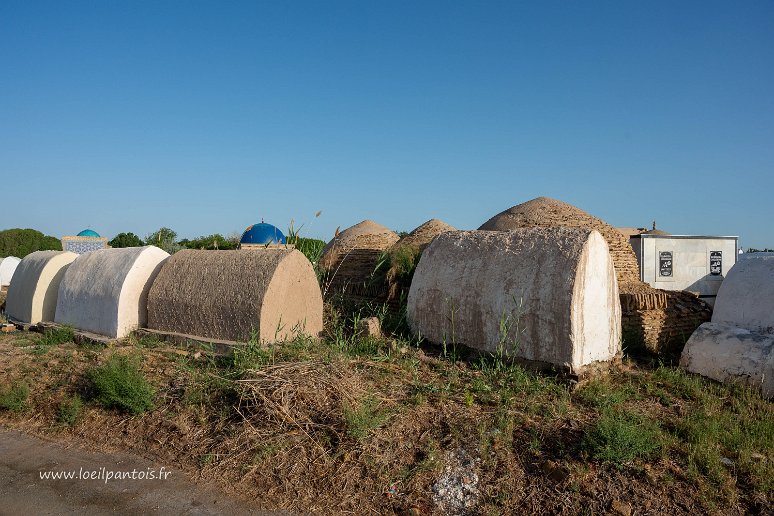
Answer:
(23, 459)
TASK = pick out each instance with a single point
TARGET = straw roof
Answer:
(547, 212)
(424, 234)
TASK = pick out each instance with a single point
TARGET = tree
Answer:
(21, 242)
(214, 241)
(164, 238)
(126, 240)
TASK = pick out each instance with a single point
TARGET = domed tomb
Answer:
(262, 234)
(424, 234)
(656, 319)
(32, 296)
(351, 257)
(546, 212)
(231, 295)
(7, 269)
(405, 254)
(106, 291)
(546, 295)
(84, 242)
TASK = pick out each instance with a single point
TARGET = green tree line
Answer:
(21, 242)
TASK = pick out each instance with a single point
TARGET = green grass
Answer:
(56, 336)
(119, 384)
(14, 399)
(739, 429)
(310, 247)
(620, 437)
(601, 393)
(70, 410)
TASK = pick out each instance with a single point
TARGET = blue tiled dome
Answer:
(262, 234)
(88, 233)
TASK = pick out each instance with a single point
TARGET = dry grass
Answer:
(342, 426)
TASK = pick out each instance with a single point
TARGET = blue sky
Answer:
(208, 116)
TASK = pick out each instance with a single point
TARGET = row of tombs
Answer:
(544, 281)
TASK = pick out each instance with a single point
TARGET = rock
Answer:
(620, 508)
(370, 327)
(456, 490)
(729, 353)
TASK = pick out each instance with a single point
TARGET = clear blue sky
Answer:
(207, 116)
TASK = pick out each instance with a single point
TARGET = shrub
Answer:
(126, 240)
(210, 242)
(70, 410)
(311, 247)
(165, 239)
(15, 398)
(120, 384)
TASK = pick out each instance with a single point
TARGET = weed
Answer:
(601, 394)
(251, 355)
(70, 410)
(685, 385)
(57, 335)
(621, 437)
(120, 384)
(364, 418)
(509, 335)
(713, 431)
(147, 341)
(15, 398)
(310, 247)
(207, 459)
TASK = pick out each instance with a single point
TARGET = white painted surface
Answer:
(691, 262)
(746, 298)
(728, 353)
(554, 287)
(7, 268)
(32, 295)
(106, 291)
